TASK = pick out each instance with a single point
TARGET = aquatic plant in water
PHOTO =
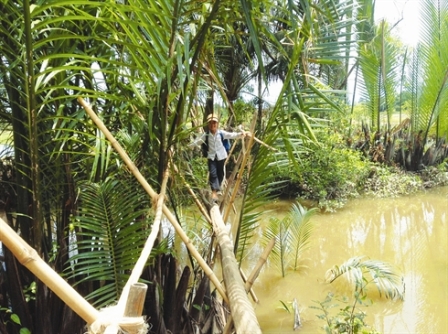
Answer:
(360, 273)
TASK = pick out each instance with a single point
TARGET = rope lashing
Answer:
(109, 322)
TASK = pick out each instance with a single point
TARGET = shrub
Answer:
(332, 173)
(391, 182)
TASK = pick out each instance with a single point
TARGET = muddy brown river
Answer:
(409, 232)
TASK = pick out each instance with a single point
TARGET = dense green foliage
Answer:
(333, 173)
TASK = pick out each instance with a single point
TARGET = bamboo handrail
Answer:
(260, 141)
(239, 178)
(134, 170)
(195, 198)
(28, 257)
(264, 144)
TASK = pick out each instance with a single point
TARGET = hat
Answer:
(212, 117)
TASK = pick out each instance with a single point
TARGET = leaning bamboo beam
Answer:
(261, 261)
(245, 158)
(146, 252)
(134, 170)
(243, 313)
(28, 257)
(229, 181)
(122, 306)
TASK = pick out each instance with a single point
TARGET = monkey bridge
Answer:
(126, 316)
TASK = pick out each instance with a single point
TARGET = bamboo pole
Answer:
(136, 300)
(251, 279)
(229, 181)
(250, 290)
(207, 270)
(260, 141)
(261, 261)
(241, 164)
(243, 313)
(239, 177)
(146, 252)
(264, 144)
(28, 257)
(195, 198)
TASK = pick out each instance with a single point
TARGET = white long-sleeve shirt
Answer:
(215, 145)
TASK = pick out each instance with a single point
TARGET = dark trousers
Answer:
(216, 173)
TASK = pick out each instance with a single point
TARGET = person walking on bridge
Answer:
(214, 144)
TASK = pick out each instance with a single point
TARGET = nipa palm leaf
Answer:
(357, 270)
(278, 229)
(301, 228)
(111, 230)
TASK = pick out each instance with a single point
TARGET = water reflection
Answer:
(410, 232)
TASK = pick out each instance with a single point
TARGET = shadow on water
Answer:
(409, 232)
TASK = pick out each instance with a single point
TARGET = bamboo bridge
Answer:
(126, 316)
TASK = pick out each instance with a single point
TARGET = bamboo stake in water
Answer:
(261, 261)
(134, 170)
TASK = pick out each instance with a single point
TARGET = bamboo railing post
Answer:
(172, 219)
(136, 300)
(246, 156)
(28, 257)
(243, 313)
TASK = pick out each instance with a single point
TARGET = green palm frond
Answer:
(111, 230)
(301, 227)
(356, 270)
(432, 94)
(303, 97)
(380, 66)
(292, 235)
(278, 229)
